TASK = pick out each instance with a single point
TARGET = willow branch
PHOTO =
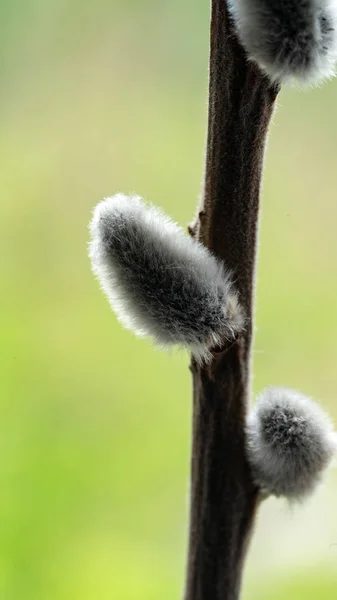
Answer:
(224, 498)
(200, 296)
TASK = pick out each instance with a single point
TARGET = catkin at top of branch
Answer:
(289, 39)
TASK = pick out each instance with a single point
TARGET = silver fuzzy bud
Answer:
(290, 442)
(289, 39)
(159, 281)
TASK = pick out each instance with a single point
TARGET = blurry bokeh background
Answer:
(106, 96)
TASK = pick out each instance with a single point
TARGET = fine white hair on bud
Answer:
(159, 281)
(290, 442)
(289, 39)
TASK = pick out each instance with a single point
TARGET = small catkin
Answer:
(290, 442)
(159, 281)
(289, 39)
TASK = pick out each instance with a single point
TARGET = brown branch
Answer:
(223, 497)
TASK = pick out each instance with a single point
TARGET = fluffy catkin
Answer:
(158, 280)
(289, 39)
(290, 441)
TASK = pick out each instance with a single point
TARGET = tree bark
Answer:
(223, 496)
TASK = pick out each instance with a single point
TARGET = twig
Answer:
(224, 498)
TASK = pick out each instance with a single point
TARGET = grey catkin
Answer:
(159, 281)
(290, 442)
(289, 39)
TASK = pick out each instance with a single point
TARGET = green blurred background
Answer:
(95, 425)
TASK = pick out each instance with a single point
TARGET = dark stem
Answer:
(223, 497)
